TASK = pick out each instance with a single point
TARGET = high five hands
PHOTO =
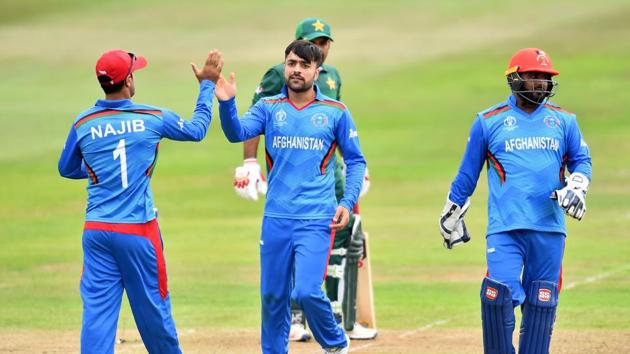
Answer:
(211, 69)
(225, 89)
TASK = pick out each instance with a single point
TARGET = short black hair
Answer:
(305, 50)
(104, 80)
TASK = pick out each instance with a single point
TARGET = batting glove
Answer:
(365, 187)
(452, 226)
(249, 180)
(572, 198)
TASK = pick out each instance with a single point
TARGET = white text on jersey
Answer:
(297, 142)
(532, 143)
(125, 126)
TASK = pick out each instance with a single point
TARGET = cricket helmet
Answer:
(531, 60)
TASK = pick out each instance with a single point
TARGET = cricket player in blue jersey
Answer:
(302, 128)
(115, 145)
(348, 248)
(527, 143)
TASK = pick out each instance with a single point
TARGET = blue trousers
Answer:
(300, 249)
(533, 254)
(129, 257)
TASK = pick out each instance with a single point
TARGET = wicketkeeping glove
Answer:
(452, 226)
(249, 180)
(365, 187)
(572, 198)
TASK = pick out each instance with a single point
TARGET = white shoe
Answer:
(339, 350)
(298, 333)
(362, 333)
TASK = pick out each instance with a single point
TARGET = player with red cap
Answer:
(114, 145)
(527, 144)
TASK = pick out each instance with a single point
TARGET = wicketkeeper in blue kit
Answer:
(526, 143)
(115, 145)
(302, 128)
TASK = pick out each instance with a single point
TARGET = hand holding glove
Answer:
(452, 226)
(249, 180)
(572, 198)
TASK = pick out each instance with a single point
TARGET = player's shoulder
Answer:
(494, 111)
(270, 100)
(149, 110)
(326, 101)
(86, 113)
(559, 110)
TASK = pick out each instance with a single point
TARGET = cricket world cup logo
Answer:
(280, 119)
(510, 123)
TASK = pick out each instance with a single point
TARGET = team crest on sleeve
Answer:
(280, 119)
(510, 123)
(319, 120)
(552, 122)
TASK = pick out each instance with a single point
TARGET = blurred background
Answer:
(414, 74)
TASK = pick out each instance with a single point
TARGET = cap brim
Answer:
(311, 36)
(140, 63)
(539, 70)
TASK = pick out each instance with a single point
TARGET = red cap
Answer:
(531, 60)
(115, 65)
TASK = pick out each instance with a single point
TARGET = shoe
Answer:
(362, 333)
(339, 350)
(298, 333)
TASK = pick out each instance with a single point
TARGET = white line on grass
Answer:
(596, 277)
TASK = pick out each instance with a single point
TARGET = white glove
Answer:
(249, 180)
(452, 226)
(365, 186)
(572, 198)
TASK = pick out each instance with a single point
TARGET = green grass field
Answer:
(414, 74)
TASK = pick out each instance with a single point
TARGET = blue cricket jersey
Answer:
(115, 144)
(300, 152)
(526, 156)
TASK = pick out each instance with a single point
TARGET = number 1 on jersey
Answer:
(120, 152)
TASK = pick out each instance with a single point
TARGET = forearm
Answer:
(250, 148)
(72, 170)
(468, 174)
(70, 163)
(229, 121)
(355, 170)
(198, 125)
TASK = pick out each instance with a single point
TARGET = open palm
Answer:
(225, 89)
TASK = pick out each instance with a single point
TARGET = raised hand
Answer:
(225, 89)
(211, 69)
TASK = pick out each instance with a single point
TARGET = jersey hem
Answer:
(119, 221)
(526, 227)
(297, 217)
